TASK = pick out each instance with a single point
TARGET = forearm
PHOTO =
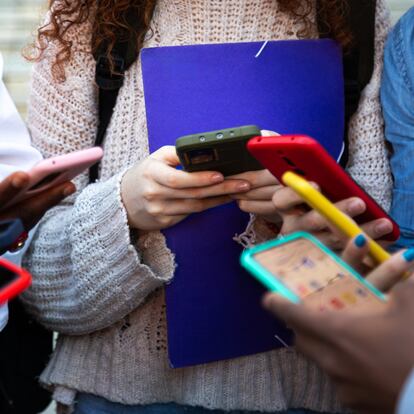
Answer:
(86, 273)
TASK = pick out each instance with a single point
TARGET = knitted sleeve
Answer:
(87, 274)
(368, 162)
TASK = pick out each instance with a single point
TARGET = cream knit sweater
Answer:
(104, 295)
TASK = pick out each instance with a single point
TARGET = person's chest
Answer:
(186, 22)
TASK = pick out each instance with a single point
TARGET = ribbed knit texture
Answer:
(104, 295)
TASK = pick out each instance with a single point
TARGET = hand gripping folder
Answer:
(213, 307)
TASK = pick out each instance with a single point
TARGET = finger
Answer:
(30, 211)
(258, 194)
(188, 206)
(257, 179)
(167, 176)
(262, 208)
(166, 154)
(333, 240)
(227, 187)
(268, 133)
(11, 186)
(377, 228)
(298, 317)
(285, 199)
(385, 276)
(401, 295)
(313, 221)
(355, 252)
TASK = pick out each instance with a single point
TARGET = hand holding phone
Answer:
(300, 268)
(54, 171)
(29, 211)
(374, 348)
(306, 157)
(258, 200)
(330, 212)
(157, 195)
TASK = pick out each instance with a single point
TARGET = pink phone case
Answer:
(56, 170)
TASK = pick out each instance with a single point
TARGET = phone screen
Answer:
(316, 277)
(6, 277)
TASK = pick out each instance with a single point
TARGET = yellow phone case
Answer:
(328, 210)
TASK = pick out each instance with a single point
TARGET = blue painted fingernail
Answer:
(360, 241)
(409, 255)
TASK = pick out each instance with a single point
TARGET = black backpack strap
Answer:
(359, 60)
(110, 80)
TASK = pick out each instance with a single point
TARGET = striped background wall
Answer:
(18, 18)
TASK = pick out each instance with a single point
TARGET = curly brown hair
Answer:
(109, 19)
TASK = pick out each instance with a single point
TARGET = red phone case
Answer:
(305, 156)
(21, 282)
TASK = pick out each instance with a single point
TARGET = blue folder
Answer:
(213, 306)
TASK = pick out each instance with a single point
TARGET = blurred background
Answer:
(18, 20)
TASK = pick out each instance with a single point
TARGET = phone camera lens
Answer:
(202, 139)
(219, 136)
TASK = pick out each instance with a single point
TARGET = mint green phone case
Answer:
(271, 282)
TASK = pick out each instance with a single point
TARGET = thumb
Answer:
(389, 273)
(167, 155)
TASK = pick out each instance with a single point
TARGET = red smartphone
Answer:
(306, 157)
(56, 170)
(13, 280)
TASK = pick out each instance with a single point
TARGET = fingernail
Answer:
(409, 255)
(18, 182)
(69, 190)
(243, 187)
(360, 241)
(217, 178)
(383, 228)
(356, 207)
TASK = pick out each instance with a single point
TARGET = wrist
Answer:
(128, 198)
